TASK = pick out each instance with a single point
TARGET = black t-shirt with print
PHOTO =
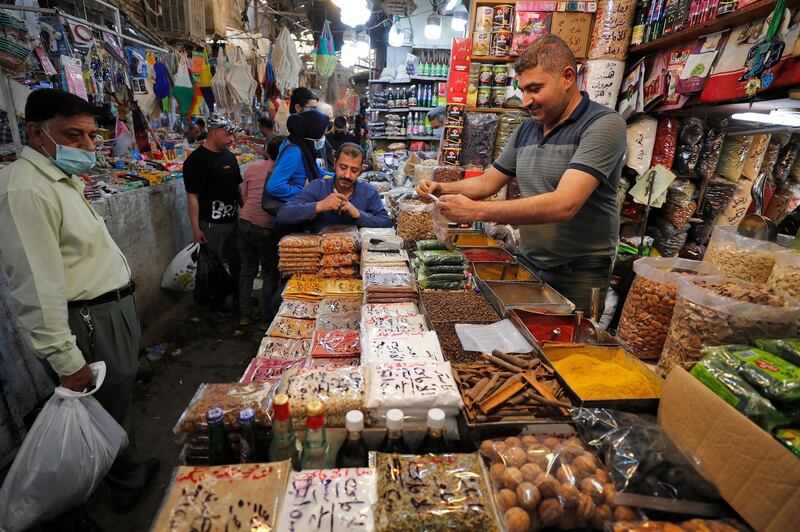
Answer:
(215, 178)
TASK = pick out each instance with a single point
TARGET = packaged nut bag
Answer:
(741, 257)
(712, 311)
(647, 313)
(786, 274)
(549, 483)
(415, 220)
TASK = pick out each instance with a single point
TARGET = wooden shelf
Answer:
(758, 10)
(428, 78)
(495, 58)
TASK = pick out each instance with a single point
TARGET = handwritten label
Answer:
(329, 500)
(574, 29)
(268, 369)
(412, 385)
(405, 348)
(285, 348)
(602, 79)
(236, 497)
(389, 326)
(612, 30)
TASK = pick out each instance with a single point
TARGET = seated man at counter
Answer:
(567, 157)
(338, 200)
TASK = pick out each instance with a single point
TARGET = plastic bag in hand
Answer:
(66, 454)
(213, 283)
(180, 274)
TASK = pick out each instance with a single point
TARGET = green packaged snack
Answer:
(442, 285)
(722, 378)
(790, 437)
(436, 257)
(443, 268)
(788, 349)
(776, 378)
(431, 244)
(457, 277)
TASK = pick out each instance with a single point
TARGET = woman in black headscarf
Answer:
(297, 158)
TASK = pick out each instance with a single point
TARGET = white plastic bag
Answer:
(181, 272)
(66, 454)
(502, 335)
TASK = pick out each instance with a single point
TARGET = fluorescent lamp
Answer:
(775, 117)
(433, 27)
(451, 4)
(460, 17)
(396, 35)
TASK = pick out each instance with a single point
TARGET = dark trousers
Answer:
(223, 242)
(116, 342)
(576, 279)
(257, 246)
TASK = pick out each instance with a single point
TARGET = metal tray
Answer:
(553, 352)
(505, 295)
(502, 271)
(497, 254)
(602, 337)
(473, 432)
(474, 240)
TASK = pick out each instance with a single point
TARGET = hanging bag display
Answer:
(219, 85)
(241, 84)
(326, 52)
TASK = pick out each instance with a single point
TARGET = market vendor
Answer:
(71, 282)
(342, 200)
(567, 157)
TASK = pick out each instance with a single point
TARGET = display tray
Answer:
(586, 330)
(505, 295)
(474, 240)
(554, 352)
(483, 254)
(475, 432)
(502, 271)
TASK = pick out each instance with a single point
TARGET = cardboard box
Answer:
(575, 29)
(755, 474)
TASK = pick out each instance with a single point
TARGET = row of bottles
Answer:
(422, 95)
(433, 63)
(419, 125)
(316, 453)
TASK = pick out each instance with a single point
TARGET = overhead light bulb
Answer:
(460, 17)
(362, 45)
(356, 15)
(433, 27)
(396, 35)
(348, 57)
(451, 4)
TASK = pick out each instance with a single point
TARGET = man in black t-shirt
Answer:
(211, 177)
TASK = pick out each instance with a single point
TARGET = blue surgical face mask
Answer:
(318, 143)
(73, 160)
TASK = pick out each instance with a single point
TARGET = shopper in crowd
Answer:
(340, 134)
(436, 117)
(201, 123)
(193, 132)
(297, 159)
(568, 157)
(266, 126)
(341, 200)
(327, 154)
(258, 240)
(211, 178)
(71, 281)
(302, 99)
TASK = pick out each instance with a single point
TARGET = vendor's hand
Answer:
(426, 187)
(350, 209)
(79, 381)
(459, 208)
(334, 202)
(198, 236)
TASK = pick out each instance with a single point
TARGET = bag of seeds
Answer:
(480, 130)
(788, 349)
(741, 257)
(718, 374)
(647, 312)
(711, 311)
(786, 274)
(712, 144)
(415, 220)
(690, 141)
(732, 157)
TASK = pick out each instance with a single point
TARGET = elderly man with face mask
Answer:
(71, 281)
(567, 158)
(340, 200)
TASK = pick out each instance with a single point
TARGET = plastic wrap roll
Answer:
(602, 79)
(612, 29)
(641, 138)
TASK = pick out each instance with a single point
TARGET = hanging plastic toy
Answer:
(326, 52)
(764, 56)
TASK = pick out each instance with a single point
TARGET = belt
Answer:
(108, 297)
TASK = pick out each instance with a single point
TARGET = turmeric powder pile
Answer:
(595, 379)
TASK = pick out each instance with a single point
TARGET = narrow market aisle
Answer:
(199, 349)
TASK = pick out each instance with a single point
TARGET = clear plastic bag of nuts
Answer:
(741, 257)
(785, 274)
(711, 311)
(415, 220)
(548, 483)
(647, 312)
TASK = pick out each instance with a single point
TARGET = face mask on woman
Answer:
(318, 143)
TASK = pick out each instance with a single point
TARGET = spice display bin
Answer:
(554, 352)
(519, 316)
(506, 295)
(502, 271)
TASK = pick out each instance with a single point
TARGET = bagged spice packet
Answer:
(776, 378)
(788, 349)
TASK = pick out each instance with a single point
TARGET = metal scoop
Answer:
(756, 225)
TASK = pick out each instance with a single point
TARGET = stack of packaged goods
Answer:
(440, 268)
(340, 389)
(762, 382)
(337, 340)
(299, 253)
(389, 285)
(339, 254)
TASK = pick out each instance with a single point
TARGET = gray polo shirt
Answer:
(592, 140)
